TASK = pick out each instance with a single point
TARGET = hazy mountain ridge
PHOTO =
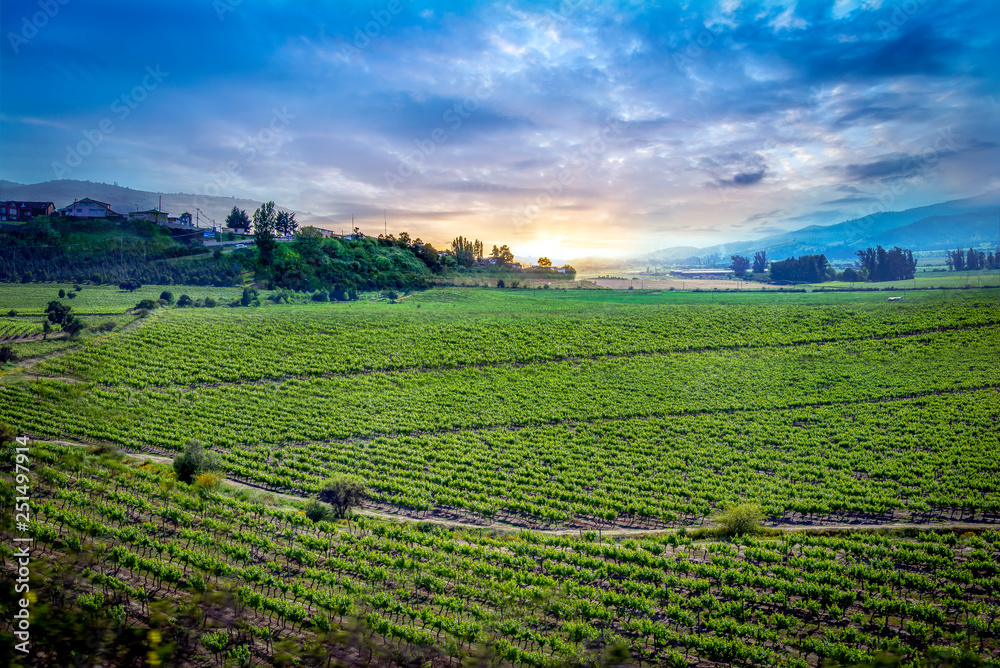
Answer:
(964, 222)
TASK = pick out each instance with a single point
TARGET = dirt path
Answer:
(24, 368)
(455, 521)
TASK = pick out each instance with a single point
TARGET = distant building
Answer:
(88, 208)
(152, 215)
(185, 219)
(702, 273)
(25, 211)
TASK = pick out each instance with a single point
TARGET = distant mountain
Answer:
(124, 199)
(963, 222)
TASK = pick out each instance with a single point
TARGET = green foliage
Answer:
(740, 520)
(194, 461)
(316, 511)
(342, 492)
(167, 296)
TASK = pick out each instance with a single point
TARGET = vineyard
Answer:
(147, 568)
(558, 456)
(12, 329)
(549, 411)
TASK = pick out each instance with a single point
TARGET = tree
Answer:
(167, 296)
(285, 223)
(57, 312)
(342, 493)
(464, 250)
(238, 220)
(882, 265)
(194, 461)
(264, 225)
(502, 255)
(956, 260)
(7, 354)
(740, 520)
(739, 264)
(185, 301)
(72, 325)
(759, 262)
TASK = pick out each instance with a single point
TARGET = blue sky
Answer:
(570, 128)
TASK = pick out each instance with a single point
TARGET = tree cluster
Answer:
(882, 265)
(466, 251)
(971, 260)
(805, 269)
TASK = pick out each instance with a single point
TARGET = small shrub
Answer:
(185, 301)
(741, 520)
(167, 296)
(7, 354)
(147, 304)
(208, 482)
(316, 511)
(210, 302)
(71, 295)
(62, 294)
(194, 461)
(107, 326)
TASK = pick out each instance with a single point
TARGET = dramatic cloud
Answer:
(564, 128)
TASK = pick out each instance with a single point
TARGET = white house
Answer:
(88, 208)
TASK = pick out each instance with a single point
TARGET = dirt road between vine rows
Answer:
(454, 520)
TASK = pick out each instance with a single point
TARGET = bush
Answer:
(316, 511)
(194, 461)
(185, 301)
(391, 295)
(7, 354)
(740, 520)
(147, 304)
(210, 302)
(319, 296)
(342, 493)
(71, 295)
(62, 294)
(167, 296)
(107, 326)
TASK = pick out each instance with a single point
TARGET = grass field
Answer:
(31, 298)
(558, 454)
